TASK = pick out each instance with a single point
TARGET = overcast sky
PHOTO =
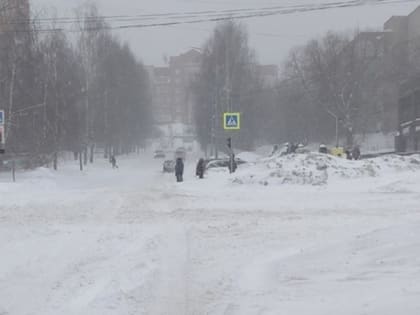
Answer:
(272, 37)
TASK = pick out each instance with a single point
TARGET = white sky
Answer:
(272, 37)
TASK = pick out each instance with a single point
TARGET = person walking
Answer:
(232, 166)
(348, 154)
(356, 152)
(200, 168)
(113, 161)
(179, 170)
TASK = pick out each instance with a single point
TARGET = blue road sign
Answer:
(1, 117)
(232, 121)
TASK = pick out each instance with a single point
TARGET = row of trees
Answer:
(70, 94)
(330, 88)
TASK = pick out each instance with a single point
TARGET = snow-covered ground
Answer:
(132, 241)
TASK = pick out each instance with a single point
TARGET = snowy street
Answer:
(132, 241)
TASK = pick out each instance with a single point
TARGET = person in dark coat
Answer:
(293, 148)
(179, 170)
(275, 149)
(113, 161)
(356, 153)
(348, 154)
(200, 168)
(232, 166)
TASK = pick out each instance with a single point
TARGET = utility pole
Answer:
(232, 156)
(228, 90)
(336, 127)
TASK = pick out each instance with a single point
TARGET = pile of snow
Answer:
(249, 157)
(318, 169)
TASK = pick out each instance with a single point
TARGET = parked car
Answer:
(159, 154)
(169, 166)
(222, 163)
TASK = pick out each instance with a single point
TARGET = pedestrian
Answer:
(287, 148)
(232, 164)
(356, 152)
(275, 149)
(348, 154)
(200, 168)
(293, 147)
(113, 161)
(179, 170)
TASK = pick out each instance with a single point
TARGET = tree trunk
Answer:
(85, 155)
(80, 161)
(11, 99)
(55, 161)
(349, 137)
(92, 152)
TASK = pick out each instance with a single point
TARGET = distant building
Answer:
(15, 15)
(370, 44)
(408, 138)
(403, 32)
(414, 24)
(269, 74)
(162, 94)
(183, 70)
(173, 102)
(393, 44)
(400, 31)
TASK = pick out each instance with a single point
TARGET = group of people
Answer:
(353, 154)
(179, 169)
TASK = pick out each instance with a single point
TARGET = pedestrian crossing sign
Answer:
(232, 121)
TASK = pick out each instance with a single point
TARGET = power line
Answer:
(196, 17)
(266, 13)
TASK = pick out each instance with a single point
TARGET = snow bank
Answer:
(249, 157)
(319, 169)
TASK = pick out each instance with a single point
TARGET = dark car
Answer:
(159, 154)
(169, 166)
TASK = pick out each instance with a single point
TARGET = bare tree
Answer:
(228, 74)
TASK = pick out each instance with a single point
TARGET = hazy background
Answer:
(272, 37)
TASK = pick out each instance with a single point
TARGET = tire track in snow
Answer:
(171, 291)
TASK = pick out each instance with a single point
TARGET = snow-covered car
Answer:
(159, 154)
(222, 163)
(169, 166)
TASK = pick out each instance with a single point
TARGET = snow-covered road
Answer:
(131, 241)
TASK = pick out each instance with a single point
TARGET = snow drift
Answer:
(319, 169)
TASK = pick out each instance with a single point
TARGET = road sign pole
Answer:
(2, 132)
(232, 157)
(14, 170)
